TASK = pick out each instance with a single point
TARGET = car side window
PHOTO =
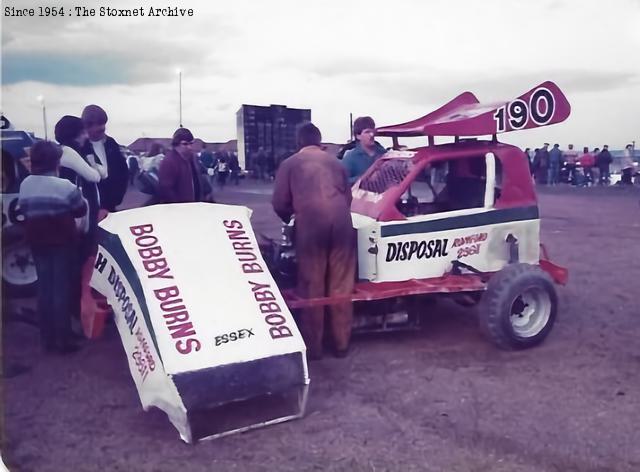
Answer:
(449, 185)
(425, 194)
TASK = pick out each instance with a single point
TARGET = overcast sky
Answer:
(395, 61)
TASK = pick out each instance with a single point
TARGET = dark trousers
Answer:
(626, 176)
(57, 269)
(554, 173)
(604, 175)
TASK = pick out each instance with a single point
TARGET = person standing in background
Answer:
(178, 177)
(86, 173)
(603, 161)
(571, 159)
(366, 151)
(627, 165)
(541, 164)
(107, 150)
(587, 161)
(50, 206)
(555, 161)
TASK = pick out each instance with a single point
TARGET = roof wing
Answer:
(465, 116)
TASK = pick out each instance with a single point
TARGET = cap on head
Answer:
(94, 115)
(181, 134)
(361, 123)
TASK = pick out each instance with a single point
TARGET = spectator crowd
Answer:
(586, 168)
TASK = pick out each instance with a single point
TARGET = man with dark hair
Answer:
(366, 150)
(178, 178)
(555, 161)
(603, 161)
(50, 205)
(541, 164)
(312, 185)
(107, 150)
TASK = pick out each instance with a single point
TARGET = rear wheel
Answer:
(519, 307)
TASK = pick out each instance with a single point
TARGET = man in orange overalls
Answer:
(313, 186)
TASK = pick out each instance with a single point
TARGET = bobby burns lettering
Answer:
(405, 251)
(174, 311)
(262, 293)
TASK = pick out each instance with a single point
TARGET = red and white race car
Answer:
(459, 219)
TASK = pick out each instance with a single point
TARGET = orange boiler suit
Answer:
(313, 186)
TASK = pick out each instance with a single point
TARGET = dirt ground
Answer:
(442, 399)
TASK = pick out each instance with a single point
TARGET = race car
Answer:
(458, 219)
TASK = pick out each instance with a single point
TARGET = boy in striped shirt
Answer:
(50, 206)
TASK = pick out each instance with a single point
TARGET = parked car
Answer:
(19, 277)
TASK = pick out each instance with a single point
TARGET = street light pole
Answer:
(44, 115)
(180, 94)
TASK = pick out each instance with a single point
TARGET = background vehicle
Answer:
(457, 219)
(19, 275)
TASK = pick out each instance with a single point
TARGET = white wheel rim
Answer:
(530, 312)
(18, 267)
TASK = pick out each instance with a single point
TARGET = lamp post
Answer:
(179, 72)
(44, 115)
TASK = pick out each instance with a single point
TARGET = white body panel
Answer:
(425, 254)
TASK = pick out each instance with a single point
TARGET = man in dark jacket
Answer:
(107, 150)
(541, 164)
(313, 185)
(179, 181)
(603, 161)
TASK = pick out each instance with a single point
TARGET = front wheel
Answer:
(519, 307)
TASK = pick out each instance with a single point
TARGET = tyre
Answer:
(519, 307)
(19, 276)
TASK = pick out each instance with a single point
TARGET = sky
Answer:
(395, 61)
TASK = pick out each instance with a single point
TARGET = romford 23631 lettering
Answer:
(97, 11)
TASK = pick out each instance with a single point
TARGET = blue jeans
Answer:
(57, 270)
(553, 176)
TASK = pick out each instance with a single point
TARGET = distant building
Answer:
(272, 128)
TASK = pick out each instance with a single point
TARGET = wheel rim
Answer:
(18, 267)
(530, 312)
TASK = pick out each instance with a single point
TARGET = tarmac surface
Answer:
(441, 399)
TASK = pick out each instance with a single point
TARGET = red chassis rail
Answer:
(366, 291)
(449, 283)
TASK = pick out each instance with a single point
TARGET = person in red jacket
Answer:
(178, 177)
(587, 161)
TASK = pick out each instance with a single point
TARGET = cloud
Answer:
(63, 69)
(431, 87)
(97, 51)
